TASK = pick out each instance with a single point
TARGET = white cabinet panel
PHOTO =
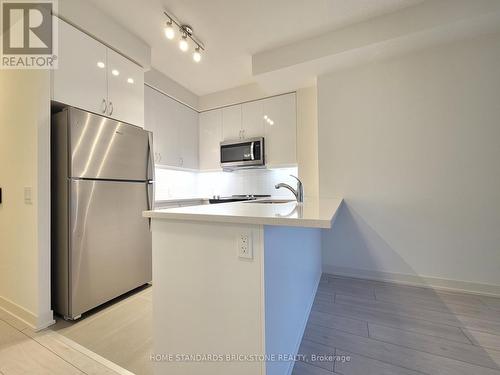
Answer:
(79, 81)
(125, 89)
(175, 130)
(210, 136)
(85, 78)
(231, 122)
(252, 119)
(160, 119)
(281, 130)
(188, 133)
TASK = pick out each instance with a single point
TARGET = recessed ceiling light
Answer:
(115, 72)
(101, 65)
(130, 80)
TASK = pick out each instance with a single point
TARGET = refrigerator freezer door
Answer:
(102, 148)
(110, 241)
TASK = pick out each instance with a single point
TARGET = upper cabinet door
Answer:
(210, 136)
(231, 122)
(80, 79)
(188, 133)
(281, 130)
(168, 118)
(252, 119)
(125, 89)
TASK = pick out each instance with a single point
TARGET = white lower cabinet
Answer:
(175, 130)
(210, 136)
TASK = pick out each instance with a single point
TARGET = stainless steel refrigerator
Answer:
(102, 180)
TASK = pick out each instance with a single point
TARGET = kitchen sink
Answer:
(271, 201)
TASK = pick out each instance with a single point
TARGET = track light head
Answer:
(169, 30)
(197, 54)
(183, 43)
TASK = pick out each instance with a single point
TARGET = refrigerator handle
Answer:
(150, 186)
(150, 193)
(151, 161)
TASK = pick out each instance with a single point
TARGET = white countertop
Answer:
(180, 200)
(313, 213)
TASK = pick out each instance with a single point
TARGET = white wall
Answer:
(168, 86)
(25, 228)
(182, 184)
(413, 145)
(86, 16)
(235, 95)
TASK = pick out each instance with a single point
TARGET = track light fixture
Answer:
(186, 33)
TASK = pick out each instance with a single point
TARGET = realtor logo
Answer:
(28, 34)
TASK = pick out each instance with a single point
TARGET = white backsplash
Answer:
(171, 184)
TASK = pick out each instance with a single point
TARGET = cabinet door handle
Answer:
(111, 108)
(104, 105)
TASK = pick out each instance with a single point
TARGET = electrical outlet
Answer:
(245, 249)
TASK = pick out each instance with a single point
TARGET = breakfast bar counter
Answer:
(233, 284)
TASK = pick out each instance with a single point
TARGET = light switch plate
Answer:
(245, 248)
(27, 195)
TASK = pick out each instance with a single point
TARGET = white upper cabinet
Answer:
(252, 119)
(125, 89)
(188, 133)
(80, 79)
(85, 79)
(274, 118)
(280, 130)
(175, 130)
(231, 122)
(210, 136)
(243, 121)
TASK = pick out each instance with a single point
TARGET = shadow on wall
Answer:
(357, 239)
(410, 328)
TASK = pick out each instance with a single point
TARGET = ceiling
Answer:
(233, 30)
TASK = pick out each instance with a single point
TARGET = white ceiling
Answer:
(233, 30)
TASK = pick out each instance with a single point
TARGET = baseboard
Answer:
(18, 312)
(304, 324)
(416, 280)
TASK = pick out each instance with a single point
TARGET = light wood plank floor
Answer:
(23, 351)
(356, 327)
(120, 331)
(360, 327)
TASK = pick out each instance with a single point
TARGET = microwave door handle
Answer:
(252, 155)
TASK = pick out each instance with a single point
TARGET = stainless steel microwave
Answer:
(242, 153)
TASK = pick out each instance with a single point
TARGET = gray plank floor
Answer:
(360, 327)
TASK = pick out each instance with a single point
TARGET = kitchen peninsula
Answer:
(234, 284)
